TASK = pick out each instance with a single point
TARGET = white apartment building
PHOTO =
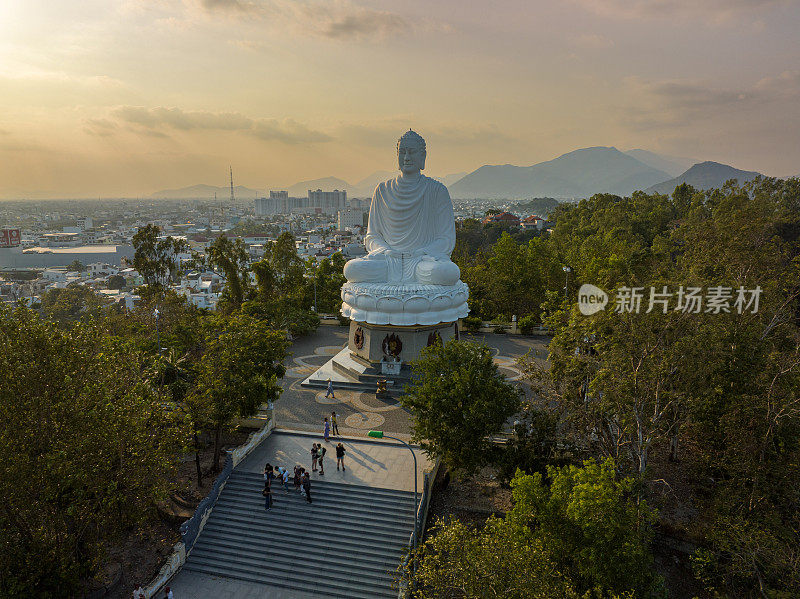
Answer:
(349, 218)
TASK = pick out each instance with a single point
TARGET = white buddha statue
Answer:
(407, 277)
(411, 230)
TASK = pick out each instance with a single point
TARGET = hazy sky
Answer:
(124, 97)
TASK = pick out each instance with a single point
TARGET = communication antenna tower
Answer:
(232, 198)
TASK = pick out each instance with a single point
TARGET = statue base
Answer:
(379, 352)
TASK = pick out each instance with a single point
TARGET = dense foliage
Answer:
(457, 398)
(86, 448)
(579, 535)
(715, 391)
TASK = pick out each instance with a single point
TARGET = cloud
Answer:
(331, 19)
(185, 121)
(384, 133)
(154, 120)
(592, 41)
(100, 127)
(681, 103)
(287, 131)
(717, 11)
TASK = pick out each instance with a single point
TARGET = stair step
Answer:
(283, 545)
(307, 580)
(327, 483)
(327, 498)
(385, 550)
(321, 508)
(396, 535)
(322, 564)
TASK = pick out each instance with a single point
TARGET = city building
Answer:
(503, 218)
(327, 202)
(350, 218)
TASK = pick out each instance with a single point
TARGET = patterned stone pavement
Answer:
(358, 411)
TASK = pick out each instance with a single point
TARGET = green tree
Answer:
(238, 372)
(71, 303)
(328, 277)
(457, 398)
(503, 559)
(86, 450)
(232, 259)
(116, 282)
(75, 266)
(156, 257)
(589, 526)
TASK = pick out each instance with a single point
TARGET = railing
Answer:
(192, 528)
(420, 519)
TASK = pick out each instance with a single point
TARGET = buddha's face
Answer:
(410, 158)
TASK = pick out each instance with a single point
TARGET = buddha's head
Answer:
(411, 153)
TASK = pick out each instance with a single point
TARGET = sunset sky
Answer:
(125, 97)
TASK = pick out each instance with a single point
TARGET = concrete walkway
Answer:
(378, 463)
(375, 463)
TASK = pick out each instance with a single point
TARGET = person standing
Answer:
(334, 426)
(307, 487)
(285, 478)
(340, 457)
(267, 493)
(298, 478)
(313, 457)
(139, 593)
(329, 392)
(168, 594)
(327, 429)
(321, 454)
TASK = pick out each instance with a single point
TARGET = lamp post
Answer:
(313, 279)
(156, 315)
(380, 435)
(567, 270)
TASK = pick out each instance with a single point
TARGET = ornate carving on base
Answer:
(392, 346)
(433, 338)
(358, 338)
(404, 304)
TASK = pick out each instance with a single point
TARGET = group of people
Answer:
(300, 477)
(330, 427)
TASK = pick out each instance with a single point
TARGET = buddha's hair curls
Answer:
(412, 136)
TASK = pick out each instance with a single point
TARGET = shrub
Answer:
(527, 324)
(472, 323)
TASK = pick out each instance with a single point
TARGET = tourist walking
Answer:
(334, 426)
(329, 392)
(139, 593)
(307, 486)
(298, 477)
(313, 457)
(283, 474)
(168, 594)
(267, 493)
(327, 429)
(340, 456)
(321, 454)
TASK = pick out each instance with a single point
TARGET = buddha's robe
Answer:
(410, 235)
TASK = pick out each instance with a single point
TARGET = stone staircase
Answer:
(346, 544)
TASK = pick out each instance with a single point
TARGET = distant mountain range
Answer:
(705, 175)
(362, 189)
(672, 165)
(577, 174)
